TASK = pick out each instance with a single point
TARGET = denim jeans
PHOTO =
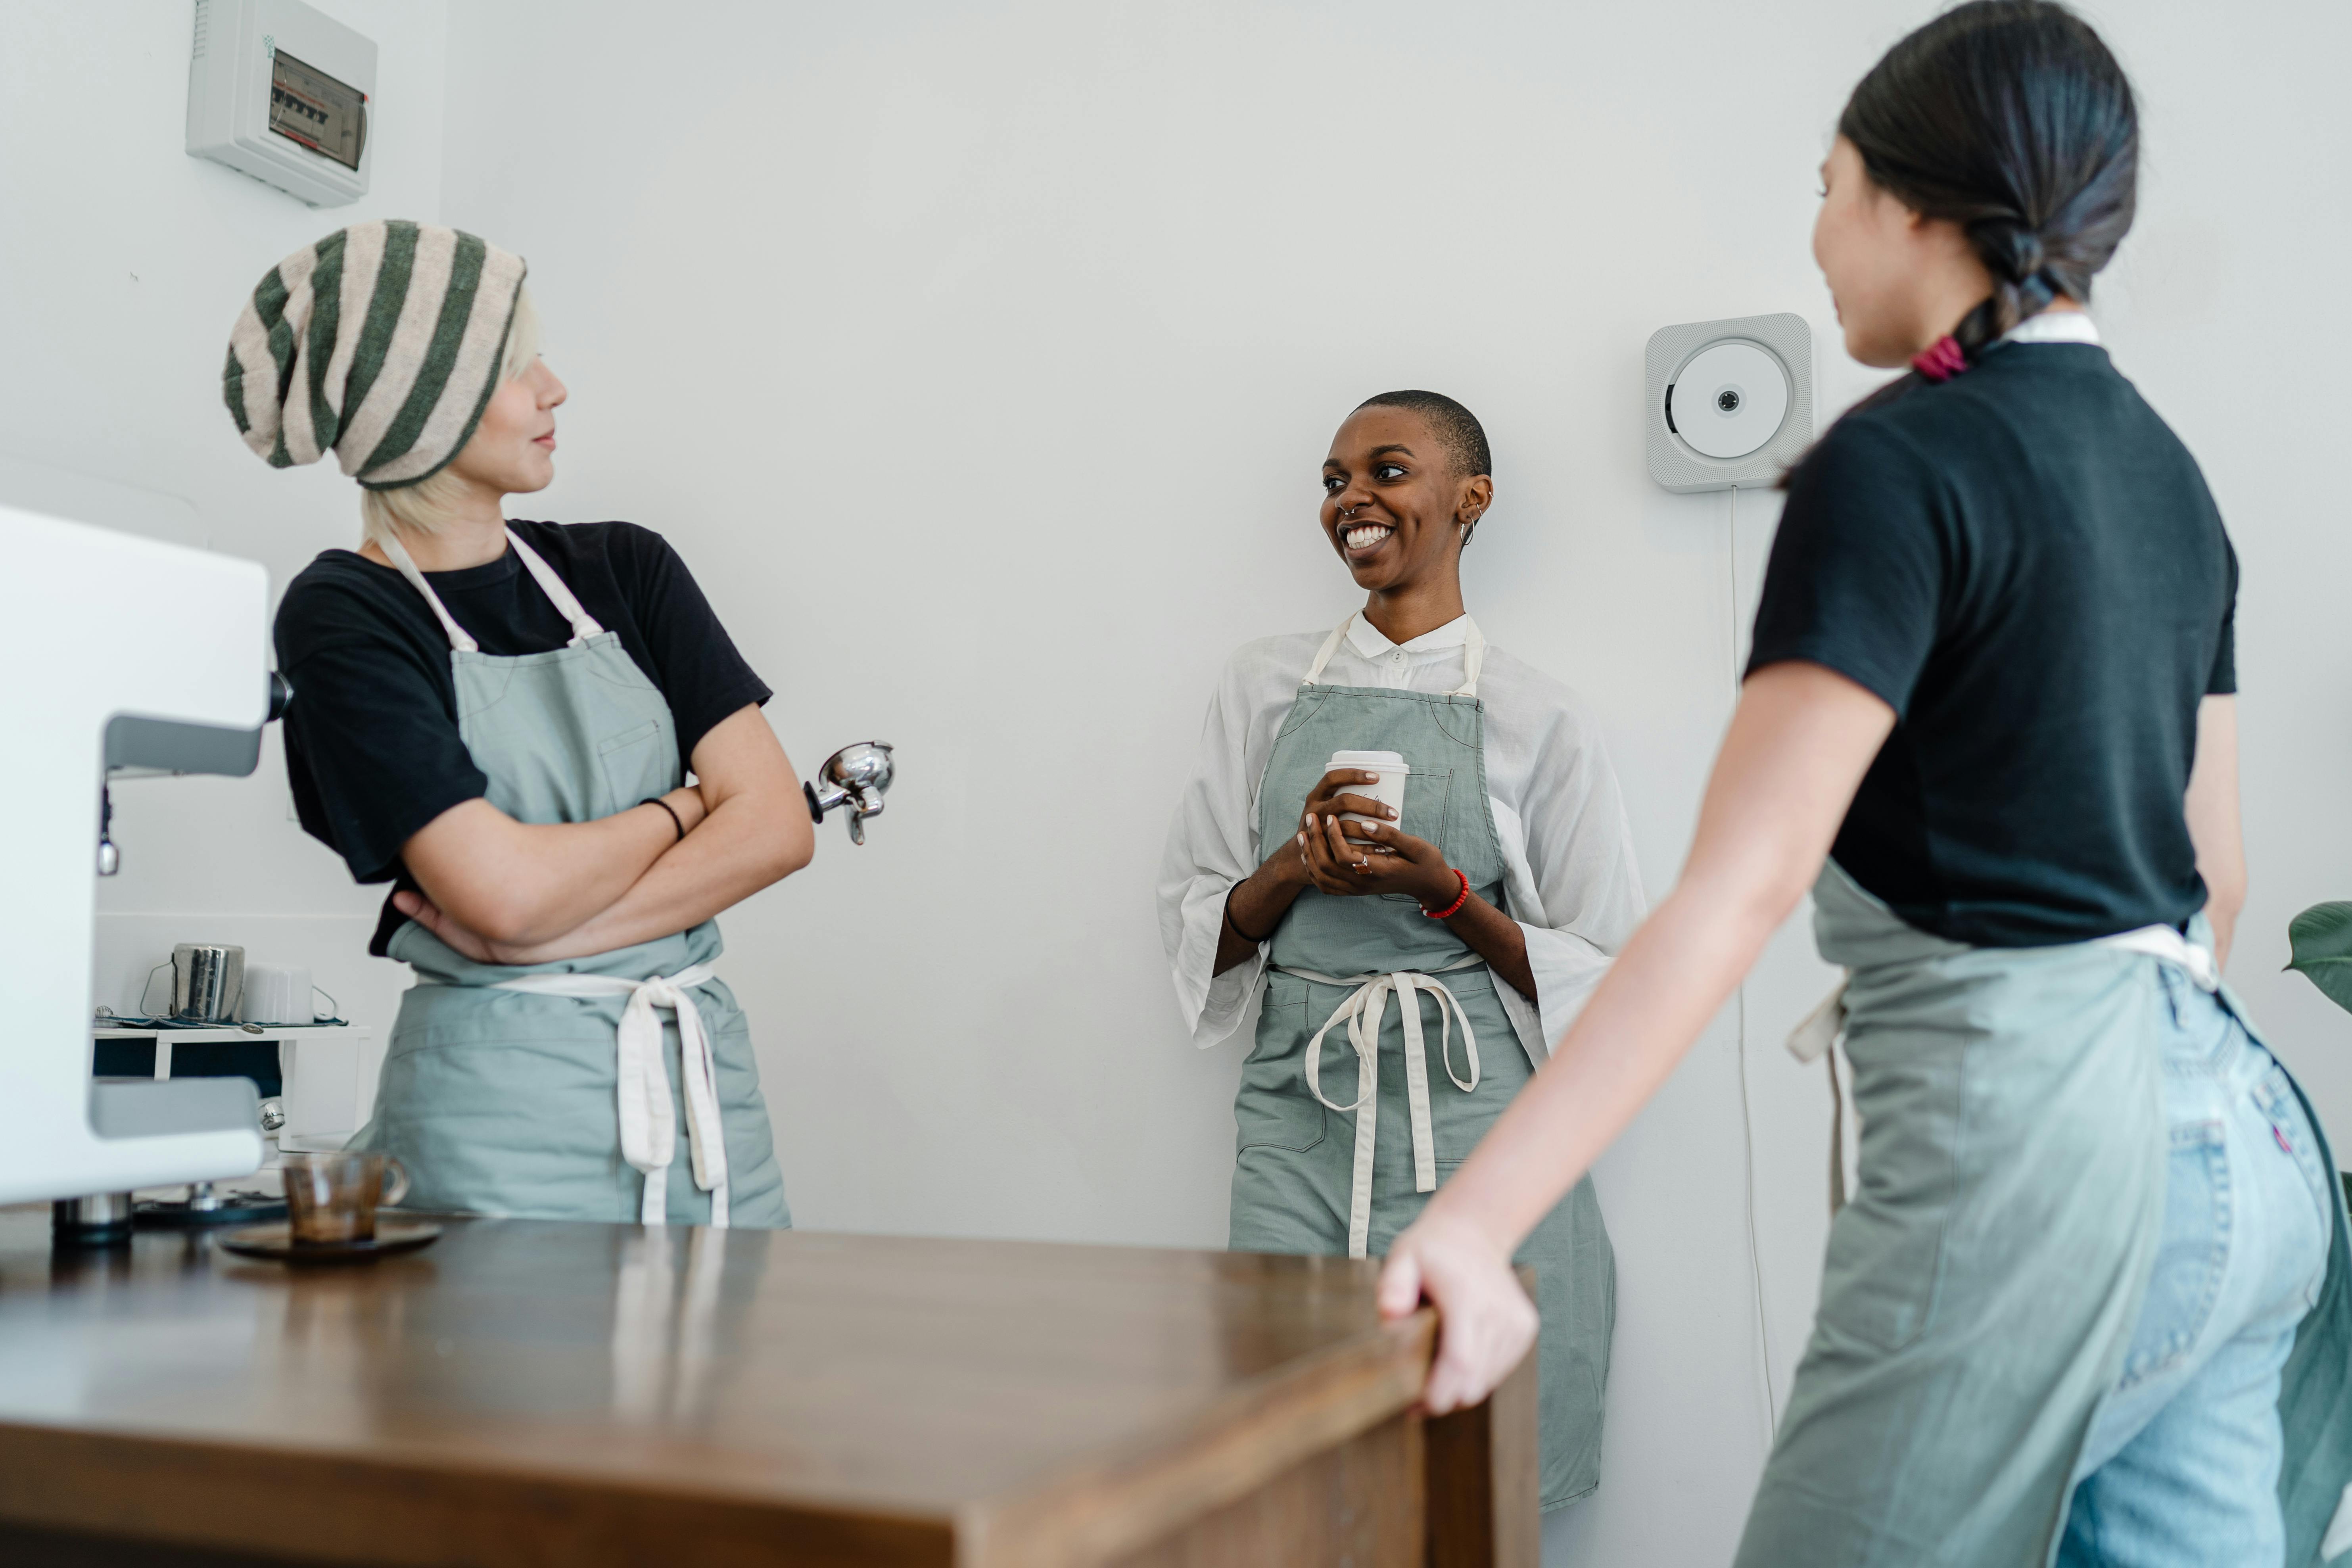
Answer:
(2181, 1464)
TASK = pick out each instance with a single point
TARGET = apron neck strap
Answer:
(1331, 647)
(1474, 656)
(567, 604)
(401, 558)
(1473, 659)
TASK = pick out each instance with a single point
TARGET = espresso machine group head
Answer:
(856, 777)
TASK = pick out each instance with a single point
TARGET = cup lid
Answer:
(1392, 761)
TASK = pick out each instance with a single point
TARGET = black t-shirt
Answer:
(372, 745)
(2025, 563)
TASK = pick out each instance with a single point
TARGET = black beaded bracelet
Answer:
(676, 820)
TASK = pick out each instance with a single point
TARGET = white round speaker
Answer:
(1730, 400)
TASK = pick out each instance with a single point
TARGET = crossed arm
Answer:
(502, 892)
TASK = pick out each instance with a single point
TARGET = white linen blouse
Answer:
(1569, 880)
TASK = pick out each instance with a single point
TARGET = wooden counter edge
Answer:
(1483, 1472)
(1093, 1513)
(1485, 1469)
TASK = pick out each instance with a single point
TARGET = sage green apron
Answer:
(1335, 1156)
(1983, 1281)
(560, 1090)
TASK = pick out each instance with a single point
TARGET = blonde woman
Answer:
(497, 718)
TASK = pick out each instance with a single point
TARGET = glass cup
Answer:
(331, 1198)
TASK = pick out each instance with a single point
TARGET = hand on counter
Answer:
(1486, 1322)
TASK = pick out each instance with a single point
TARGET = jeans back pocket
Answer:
(2193, 1255)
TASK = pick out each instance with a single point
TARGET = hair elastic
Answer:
(676, 819)
(1941, 359)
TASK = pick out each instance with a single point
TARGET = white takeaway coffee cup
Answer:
(1389, 791)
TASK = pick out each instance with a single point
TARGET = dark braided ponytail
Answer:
(2011, 119)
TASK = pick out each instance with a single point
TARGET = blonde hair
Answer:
(424, 506)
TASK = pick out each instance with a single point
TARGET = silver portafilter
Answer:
(855, 776)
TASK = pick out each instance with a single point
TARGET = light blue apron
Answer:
(1983, 1282)
(1336, 1157)
(558, 1091)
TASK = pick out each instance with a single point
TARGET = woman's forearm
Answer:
(1800, 743)
(2211, 811)
(525, 882)
(1497, 938)
(1257, 904)
(745, 844)
(1675, 973)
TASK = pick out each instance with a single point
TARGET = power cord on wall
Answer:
(1746, 1117)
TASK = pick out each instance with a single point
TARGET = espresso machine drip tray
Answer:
(204, 1207)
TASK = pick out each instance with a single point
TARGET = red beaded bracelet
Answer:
(1456, 907)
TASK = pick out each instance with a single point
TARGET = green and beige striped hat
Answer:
(382, 342)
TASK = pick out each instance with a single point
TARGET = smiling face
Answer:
(513, 450)
(1394, 505)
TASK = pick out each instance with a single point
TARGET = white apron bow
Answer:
(1363, 1010)
(648, 1125)
(1824, 1028)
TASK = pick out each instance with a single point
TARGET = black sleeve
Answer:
(2223, 681)
(1857, 572)
(696, 663)
(373, 752)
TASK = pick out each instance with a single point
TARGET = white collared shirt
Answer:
(1393, 664)
(1569, 881)
(2054, 327)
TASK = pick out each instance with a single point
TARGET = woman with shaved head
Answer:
(1468, 927)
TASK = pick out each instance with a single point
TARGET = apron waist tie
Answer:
(1362, 1011)
(1824, 1026)
(648, 1125)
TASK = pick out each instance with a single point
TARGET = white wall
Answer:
(980, 359)
(123, 261)
(981, 363)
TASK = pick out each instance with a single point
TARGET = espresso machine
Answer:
(179, 684)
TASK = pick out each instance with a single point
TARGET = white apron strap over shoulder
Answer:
(1362, 1011)
(1823, 1032)
(584, 624)
(567, 604)
(1474, 656)
(648, 1126)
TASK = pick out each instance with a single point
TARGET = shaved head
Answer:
(1456, 428)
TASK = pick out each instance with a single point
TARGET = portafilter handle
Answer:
(855, 776)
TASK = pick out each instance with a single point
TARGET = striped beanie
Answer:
(383, 341)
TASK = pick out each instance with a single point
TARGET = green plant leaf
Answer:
(2321, 940)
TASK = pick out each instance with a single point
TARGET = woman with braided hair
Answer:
(2089, 1303)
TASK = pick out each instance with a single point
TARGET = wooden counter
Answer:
(581, 1395)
